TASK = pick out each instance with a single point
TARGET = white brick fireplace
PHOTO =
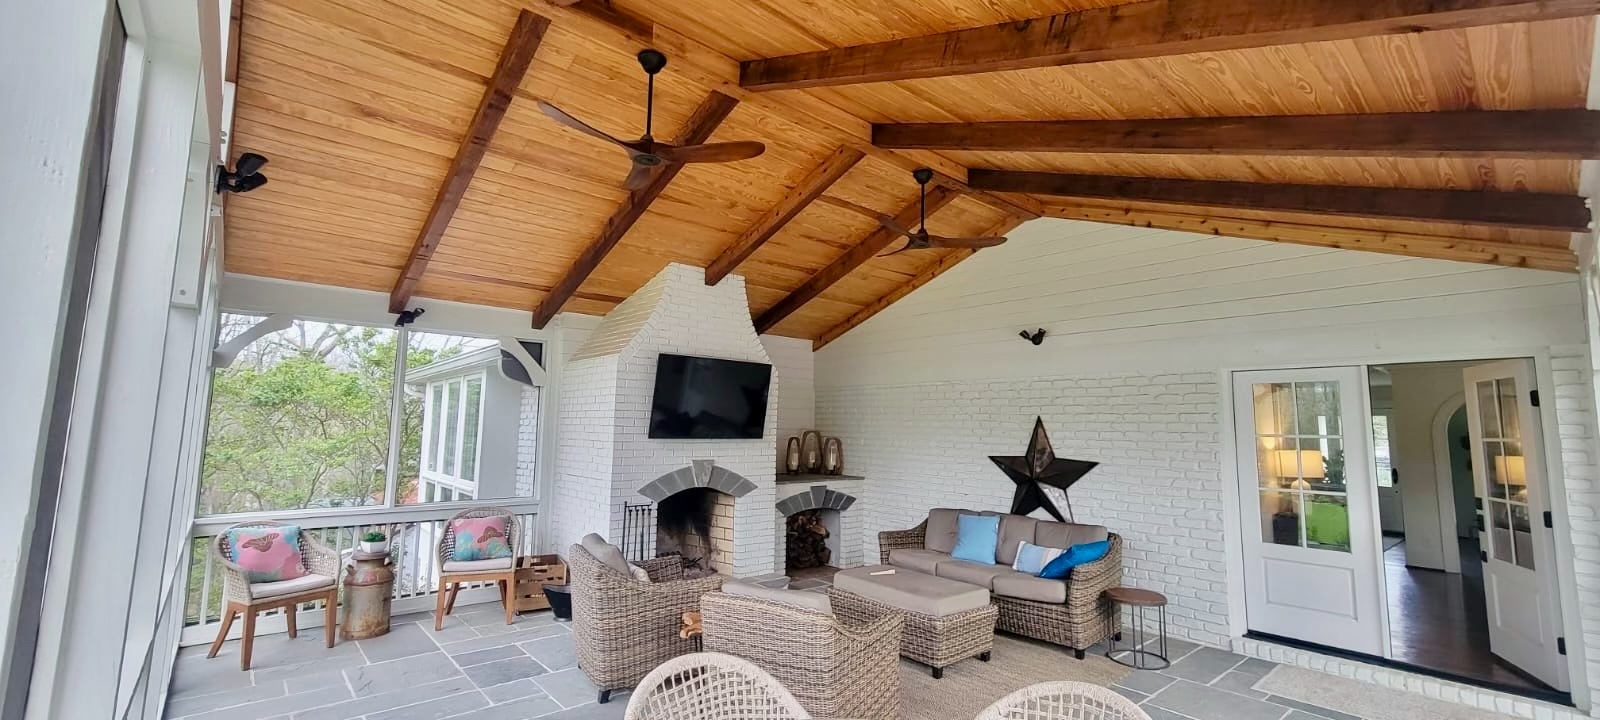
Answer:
(605, 456)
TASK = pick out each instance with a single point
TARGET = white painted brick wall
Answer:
(527, 441)
(1158, 485)
(606, 455)
(1574, 374)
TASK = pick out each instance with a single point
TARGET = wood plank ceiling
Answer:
(363, 105)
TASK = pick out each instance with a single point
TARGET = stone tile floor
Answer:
(478, 667)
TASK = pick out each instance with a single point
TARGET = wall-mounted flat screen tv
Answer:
(706, 398)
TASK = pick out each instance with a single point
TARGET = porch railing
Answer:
(413, 531)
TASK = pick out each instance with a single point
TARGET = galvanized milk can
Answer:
(368, 587)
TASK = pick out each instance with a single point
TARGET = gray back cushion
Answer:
(1014, 529)
(941, 530)
(1064, 535)
(797, 598)
(606, 553)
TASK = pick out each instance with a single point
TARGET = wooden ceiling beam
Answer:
(1534, 211)
(711, 112)
(944, 263)
(1556, 134)
(526, 35)
(1490, 252)
(875, 242)
(721, 72)
(1154, 28)
(822, 177)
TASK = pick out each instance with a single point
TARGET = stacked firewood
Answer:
(807, 541)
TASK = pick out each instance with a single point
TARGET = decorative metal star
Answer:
(1040, 466)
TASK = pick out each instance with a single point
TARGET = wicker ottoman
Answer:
(945, 621)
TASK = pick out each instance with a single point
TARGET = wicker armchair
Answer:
(711, 685)
(1063, 700)
(453, 573)
(245, 598)
(1078, 623)
(840, 665)
(624, 628)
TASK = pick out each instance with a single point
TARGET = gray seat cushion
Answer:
(971, 573)
(608, 554)
(922, 561)
(912, 591)
(1028, 587)
(1064, 535)
(1014, 530)
(797, 598)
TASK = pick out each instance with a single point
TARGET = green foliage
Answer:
(374, 536)
(301, 420)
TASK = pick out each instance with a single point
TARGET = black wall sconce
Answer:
(245, 175)
(1036, 337)
(406, 317)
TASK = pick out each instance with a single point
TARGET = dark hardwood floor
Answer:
(1437, 620)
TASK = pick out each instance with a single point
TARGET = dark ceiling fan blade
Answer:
(974, 243)
(894, 225)
(561, 116)
(711, 153)
(908, 246)
(639, 177)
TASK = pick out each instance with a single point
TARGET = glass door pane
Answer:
(1300, 464)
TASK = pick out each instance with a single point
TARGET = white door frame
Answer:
(1233, 529)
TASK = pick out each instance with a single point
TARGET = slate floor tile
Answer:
(570, 687)
(1135, 696)
(435, 709)
(402, 641)
(613, 710)
(502, 639)
(398, 674)
(1256, 668)
(504, 671)
(1156, 713)
(557, 652)
(1202, 702)
(1204, 665)
(1145, 681)
(277, 706)
(479, 657)
(1238, 682)
(402, 697)
(196, 704)
(514, 690)
(517, 709)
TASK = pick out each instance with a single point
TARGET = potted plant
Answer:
(374, 542)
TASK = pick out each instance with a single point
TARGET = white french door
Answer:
(1307, 494)
(1518, 553)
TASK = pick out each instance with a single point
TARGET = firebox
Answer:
(697, 524)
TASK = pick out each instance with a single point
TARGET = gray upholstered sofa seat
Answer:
(1069, 611)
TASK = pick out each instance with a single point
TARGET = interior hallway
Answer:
(1437, 620)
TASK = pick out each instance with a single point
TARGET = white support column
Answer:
(51, 54)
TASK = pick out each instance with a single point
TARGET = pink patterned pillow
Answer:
(267, 554)
(480, 539)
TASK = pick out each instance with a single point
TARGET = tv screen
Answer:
(706, 398)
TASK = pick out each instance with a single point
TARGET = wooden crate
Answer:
(533, 571)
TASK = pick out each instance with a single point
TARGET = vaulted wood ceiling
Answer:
(364, 108)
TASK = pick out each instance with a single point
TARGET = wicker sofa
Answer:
(839, 663)
(623, 628)
(1071, 612)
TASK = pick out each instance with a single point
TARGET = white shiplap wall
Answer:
(1141, 325)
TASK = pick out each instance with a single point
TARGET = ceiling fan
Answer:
(920, 239)
(645, 152)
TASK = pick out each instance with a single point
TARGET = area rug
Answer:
(970, 686)
(1362, 699)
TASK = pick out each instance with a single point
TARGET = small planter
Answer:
(374, 547)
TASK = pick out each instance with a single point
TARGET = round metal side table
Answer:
(1135, 651)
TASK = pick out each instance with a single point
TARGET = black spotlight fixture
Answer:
(406, 317)
(1036, 337)
(245, 175)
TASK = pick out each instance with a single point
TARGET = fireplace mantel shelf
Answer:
(815, 478)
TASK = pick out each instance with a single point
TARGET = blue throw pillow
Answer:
(1032, 559)
(976, 537)
(1073, 557)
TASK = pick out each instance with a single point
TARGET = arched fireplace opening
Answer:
(697, 524)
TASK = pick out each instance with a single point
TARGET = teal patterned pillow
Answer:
(480, 539)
